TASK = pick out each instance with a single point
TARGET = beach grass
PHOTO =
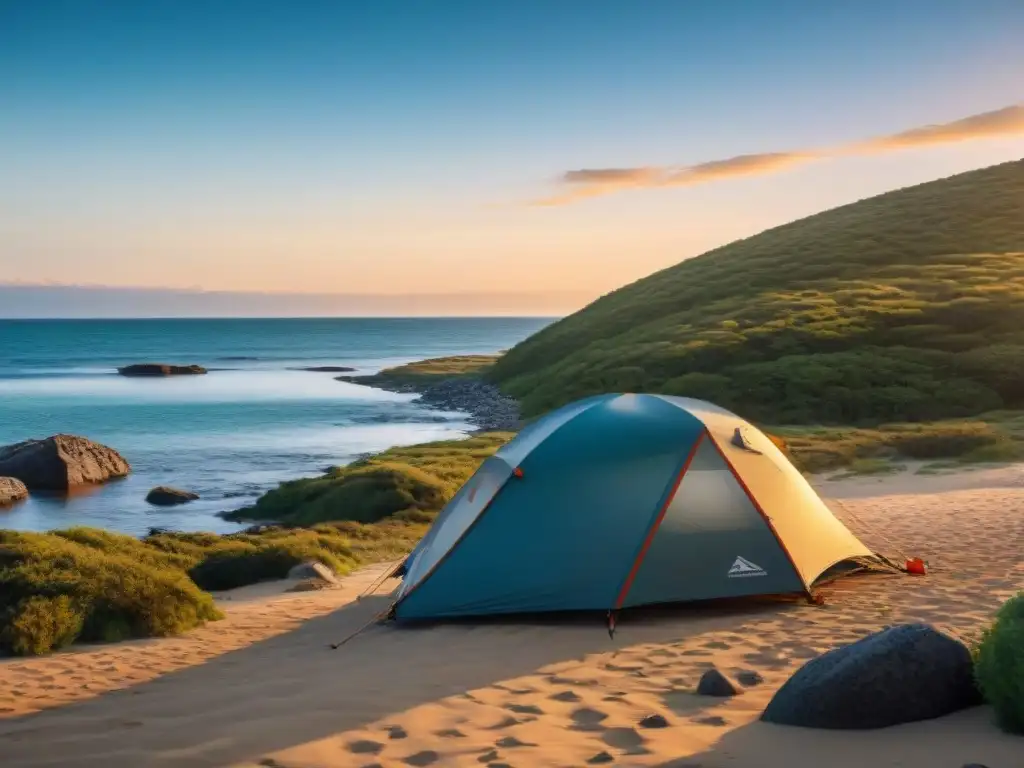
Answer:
(423, 373)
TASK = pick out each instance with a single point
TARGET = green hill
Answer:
(906, 306)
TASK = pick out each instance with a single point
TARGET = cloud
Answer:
(595, 182)
(1008, 121)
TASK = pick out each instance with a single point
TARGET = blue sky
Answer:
(395, 147)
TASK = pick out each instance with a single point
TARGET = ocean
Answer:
(250, 423)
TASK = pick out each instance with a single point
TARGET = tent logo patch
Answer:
(742, 568)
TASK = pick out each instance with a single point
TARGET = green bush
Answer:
(39, 625)
(55, 591)
(999, 665)
(407, 484)
(239, 560)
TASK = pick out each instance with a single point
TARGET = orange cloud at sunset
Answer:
(586, 183)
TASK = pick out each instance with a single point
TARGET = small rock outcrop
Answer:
(899, 675)
(11, 490)
(654, 721)
(60, 462)
(714, 683)
(160, 369)
(165, 496)
(315, 570)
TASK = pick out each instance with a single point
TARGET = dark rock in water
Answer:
(899, 675)
(61, 462)
(654, 721)
(160, 369)
(11, 490)
(326, 369)
(714, 683)
(165, 496)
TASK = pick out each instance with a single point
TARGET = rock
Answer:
(312, 569)
(164, 496)
(160, 369)
(488, 409)
(714, 683)
(749, 678)
(654, 721)
(601, 758)
(11, 490)
(61, 462)
(899, 675)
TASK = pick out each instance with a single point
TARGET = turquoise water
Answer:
(233, 433)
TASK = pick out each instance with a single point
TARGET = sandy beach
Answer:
(263, 687)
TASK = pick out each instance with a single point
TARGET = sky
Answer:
(457, 156)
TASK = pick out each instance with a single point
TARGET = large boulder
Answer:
(11, 490)
(165, 496)
(160, 369)
(61, 462)
(899, 675)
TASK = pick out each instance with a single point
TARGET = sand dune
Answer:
(263, 688)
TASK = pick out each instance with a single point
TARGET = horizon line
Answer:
(57, 318)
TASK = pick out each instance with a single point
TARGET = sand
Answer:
(263, 688)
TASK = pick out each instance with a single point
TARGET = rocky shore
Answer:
(489, 410)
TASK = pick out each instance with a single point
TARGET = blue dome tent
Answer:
(625, 500)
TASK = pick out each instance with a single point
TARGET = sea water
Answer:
(250, 423)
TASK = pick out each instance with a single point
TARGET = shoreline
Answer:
(451, 384)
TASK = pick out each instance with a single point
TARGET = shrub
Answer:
(38, 625)
(999, 665)
(239, 560)
(55, 590)
(407, 484)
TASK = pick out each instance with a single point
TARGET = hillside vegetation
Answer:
(908, 306)
(421, 374)
(407, 484)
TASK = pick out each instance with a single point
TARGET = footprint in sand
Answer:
(396, 732)
(421, 759)
(365, 747)
(450, 733)
(586, 719)
(506, 722)
(524, 709)
(717, 645)
(711, 720)
(682, 701)
(625, 739)
(510, 742)
(567, 696)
